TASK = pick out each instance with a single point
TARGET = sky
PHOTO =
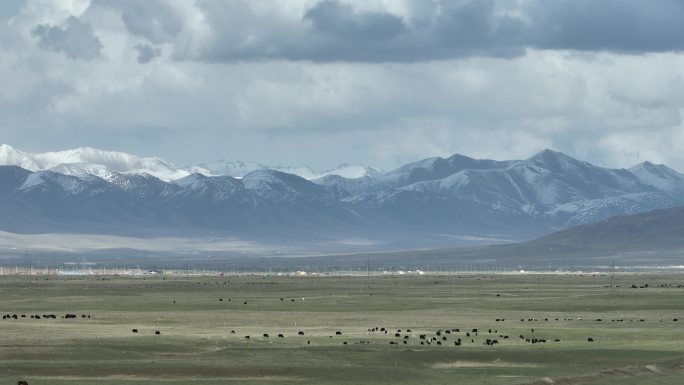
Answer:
(377, 82)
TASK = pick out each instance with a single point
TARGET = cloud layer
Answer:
(322, 82)
(413, 31)
(75, 39)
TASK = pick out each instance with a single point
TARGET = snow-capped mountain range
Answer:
(91, 161)
(91, 191)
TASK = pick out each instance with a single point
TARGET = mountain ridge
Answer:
(88, 160)
(431, 200)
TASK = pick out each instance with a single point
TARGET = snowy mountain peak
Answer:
(551, 155)
(548, 190)
(659, 176)
(11, 156)
(234, 168)
(555, 160)
(659, 169)
(90, 161)
(350, 171)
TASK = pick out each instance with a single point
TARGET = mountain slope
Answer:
(659, 176)
(91, 161)
(424, 203)
(549, 189)
(658, 229)
(86, 160)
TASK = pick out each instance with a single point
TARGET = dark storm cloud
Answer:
(147, 53)
(474, 28)
(76, 39)
(335, 31)
(636, 26)
(151, 19)
(340, 21)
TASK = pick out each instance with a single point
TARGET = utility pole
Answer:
(368, 274)
(187, 273)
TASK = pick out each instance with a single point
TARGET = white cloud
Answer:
(599, 106)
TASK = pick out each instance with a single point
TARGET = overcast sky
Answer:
(379, 82)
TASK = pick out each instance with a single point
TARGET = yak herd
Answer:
(447, 336)
(43, 316)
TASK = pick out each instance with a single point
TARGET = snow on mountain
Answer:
(544, 180)
(238, 169)
(436, 168)
(659, 176)
(217, 188)
(592, 210)
(10, 156)
(86, 160)
(47, 181)
(91, 161)
(234, 168)
(281, 186)
(107, 191)
(350, 172)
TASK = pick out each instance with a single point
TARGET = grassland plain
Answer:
(197, 315)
